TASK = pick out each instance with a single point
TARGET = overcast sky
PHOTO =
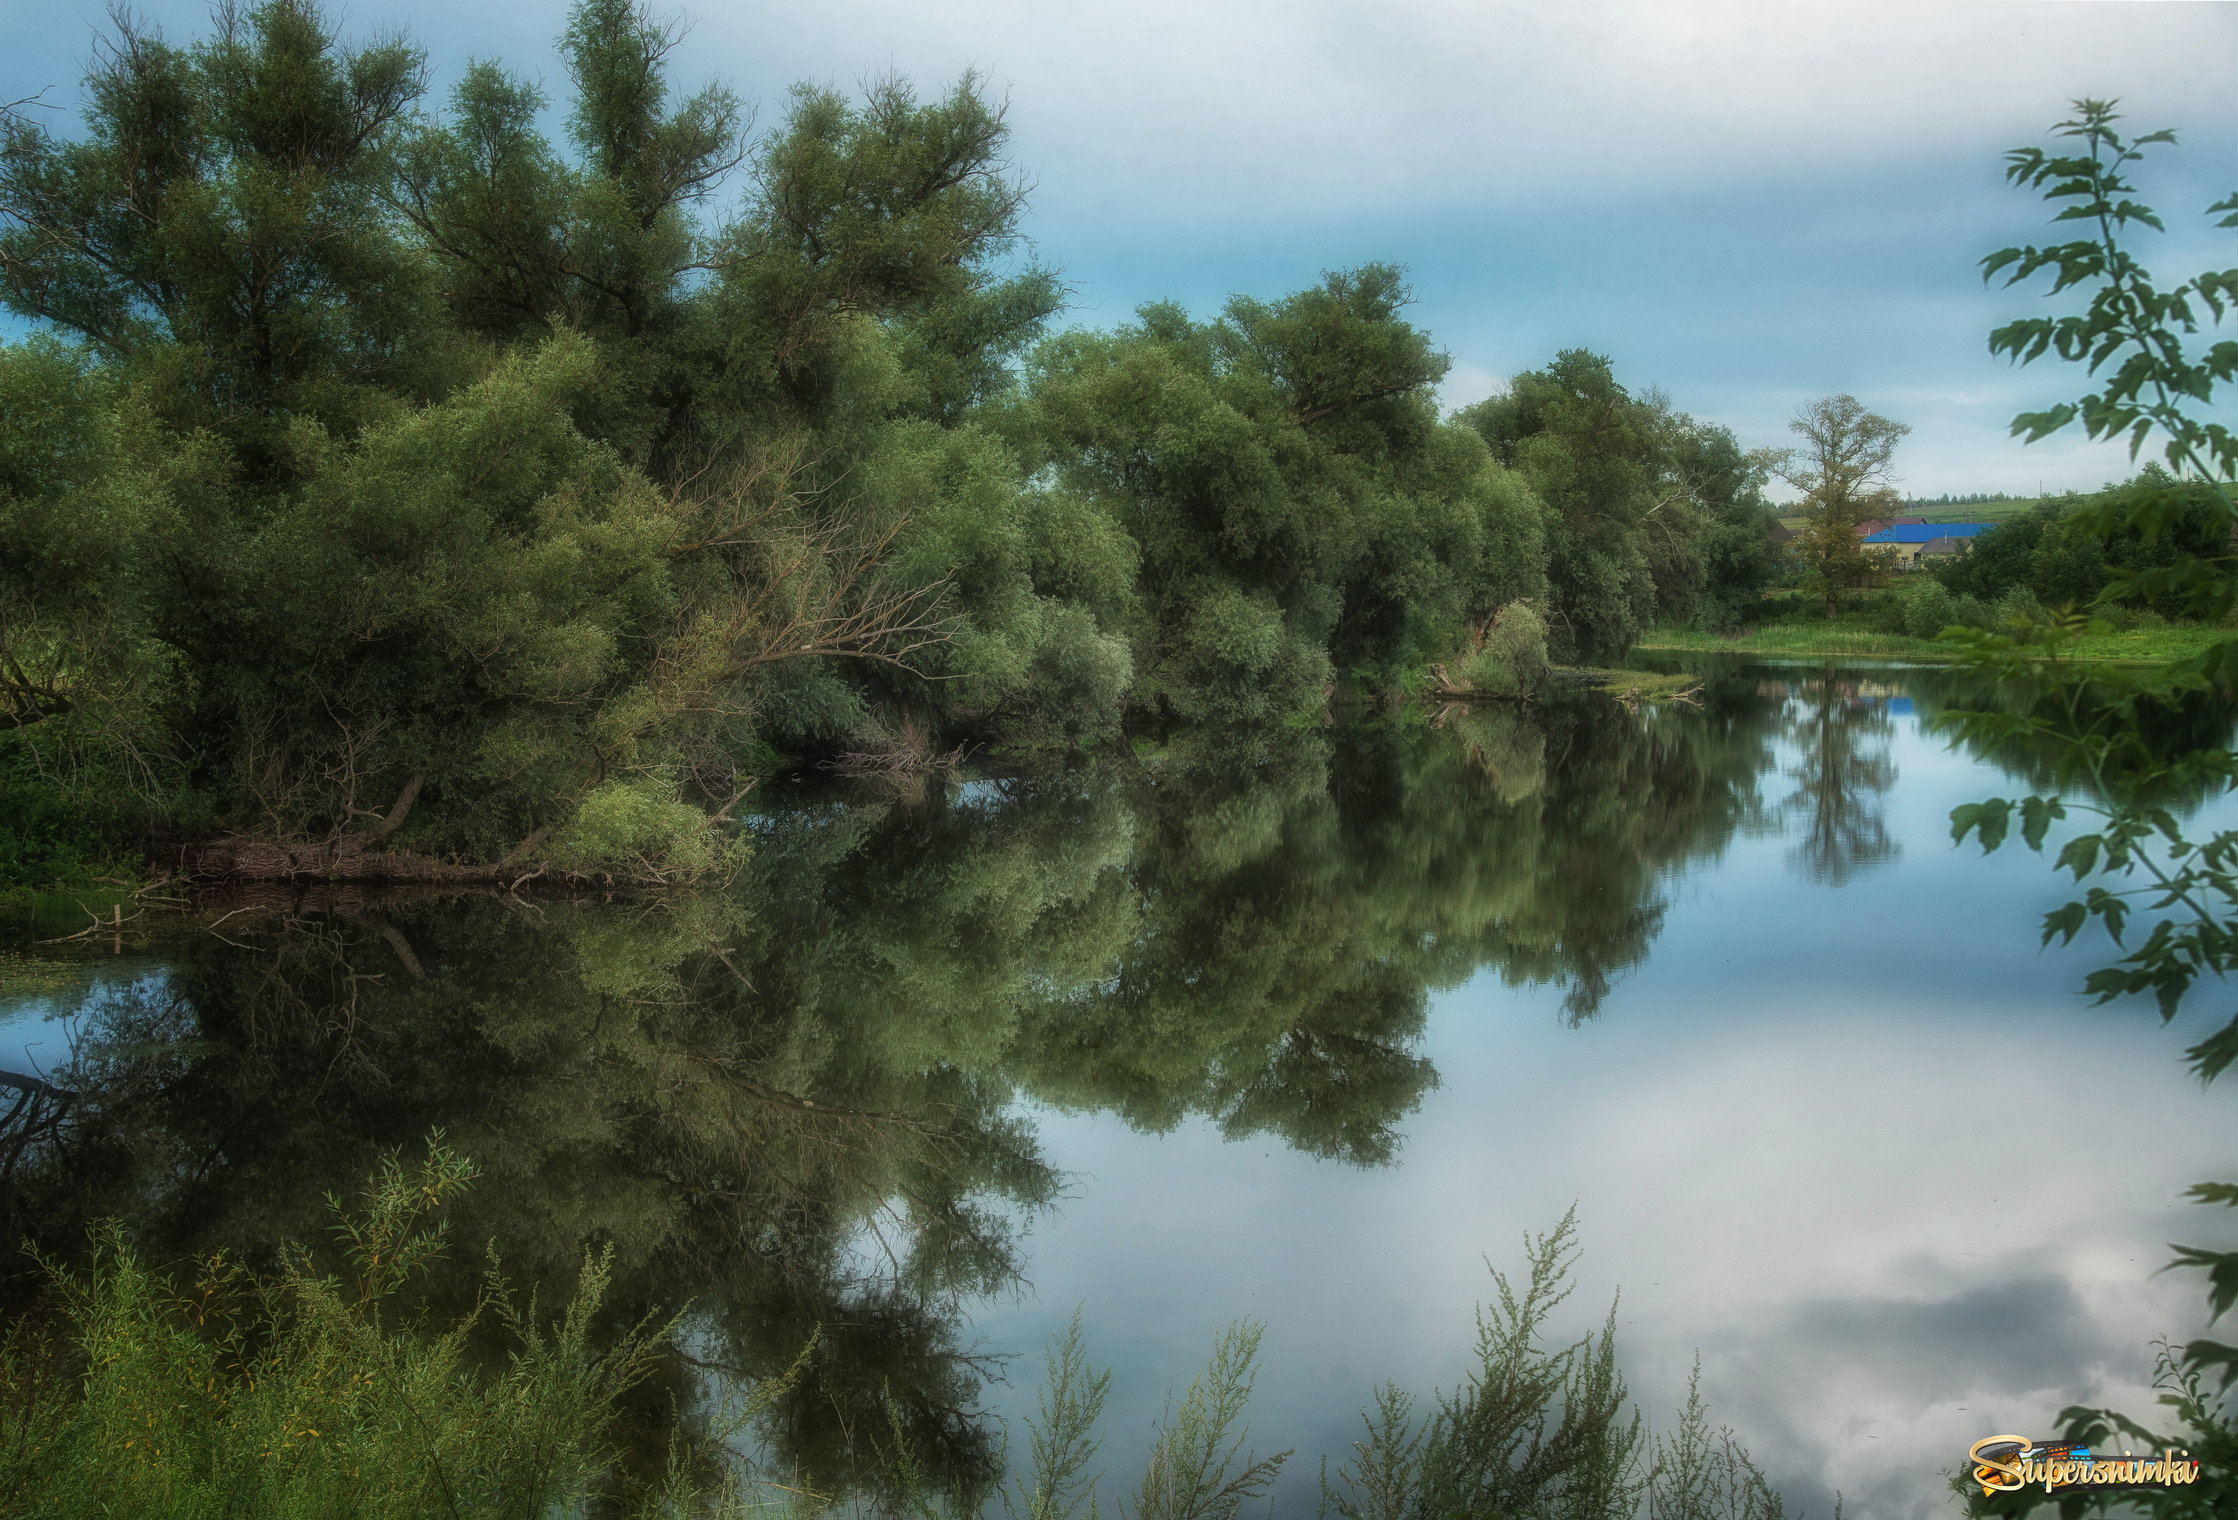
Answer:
(1747, 205)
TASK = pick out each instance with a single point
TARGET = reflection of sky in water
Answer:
(1865, 1149)
(35, 1032)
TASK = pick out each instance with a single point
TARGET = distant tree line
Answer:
(2068, 549)
(1971, 499)
(398, 488)
(2071, 550)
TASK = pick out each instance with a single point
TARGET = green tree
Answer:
(437, 493)
(1297, 508)
(1589, 451)
(1733, 543)
(1843, 471)
(221, 230)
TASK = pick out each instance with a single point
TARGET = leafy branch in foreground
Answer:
(1060, 1438)
(2129, 319)
(2138, 859)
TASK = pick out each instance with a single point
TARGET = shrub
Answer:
(638, 827)
(1241, 662)
(1510, 658)
(2020, 604)
(1927, 608)
(1969, 611)
(286, 1396)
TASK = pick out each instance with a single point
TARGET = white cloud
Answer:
(1297, 106)
(1746, 203)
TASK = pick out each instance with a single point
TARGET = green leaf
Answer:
(2113, 910)
(1989, 819)
(2224, 1193)
(2222, 1276)
(2064, 922)
(2213, 1055)
(2079, 855)
(2036, 816)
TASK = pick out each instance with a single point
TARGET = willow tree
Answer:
(486, 488)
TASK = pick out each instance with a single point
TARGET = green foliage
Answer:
(1587, 449)
(1705, 1474)
(2129, 322)
(1284, 488)
(220, 230)
(639, 828)
(287, 1395)
(32, 976)
(46, 838)
(418, 474)
(420, 478)
(1510, 657)
(2080, 550)
(1928, 608)
(1843, 471)
(1057, 1481)
(2136, 852)
(1651, 515)
(1541, 1431)
(1199, 1468)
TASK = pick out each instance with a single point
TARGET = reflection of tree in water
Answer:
(2190, 722)
(618, 1084)
(1844, 732)
(795, 1108)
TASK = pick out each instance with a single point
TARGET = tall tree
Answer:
(1300, 511)
(221, 229)
(478, 484)
(1843, 471)
(1620, 526)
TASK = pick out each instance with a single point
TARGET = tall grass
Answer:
(301, 1395)
(292, 1395)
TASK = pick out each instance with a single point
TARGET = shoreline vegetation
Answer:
(306, 1391)
(398, 490)
(1855, 639)
(405, 488)
(393, 490)
(1245, 931)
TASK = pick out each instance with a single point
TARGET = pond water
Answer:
(1308, 1028)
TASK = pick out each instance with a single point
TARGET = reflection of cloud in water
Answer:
(1882, 1167)
(2019, 1336)
(1886, 1235)
(1863, 1393)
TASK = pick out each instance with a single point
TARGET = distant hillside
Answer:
(1953, 509)
(1979, 507)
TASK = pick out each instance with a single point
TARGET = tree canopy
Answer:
(391, 486)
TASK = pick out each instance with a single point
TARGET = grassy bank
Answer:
(1984, 511)
(1856, 637)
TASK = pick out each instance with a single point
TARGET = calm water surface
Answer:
(1309, 1028)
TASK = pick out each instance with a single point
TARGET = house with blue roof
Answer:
(1906, 543)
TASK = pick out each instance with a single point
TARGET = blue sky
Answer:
(1746, 205)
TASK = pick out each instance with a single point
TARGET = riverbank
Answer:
(1844, 638)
